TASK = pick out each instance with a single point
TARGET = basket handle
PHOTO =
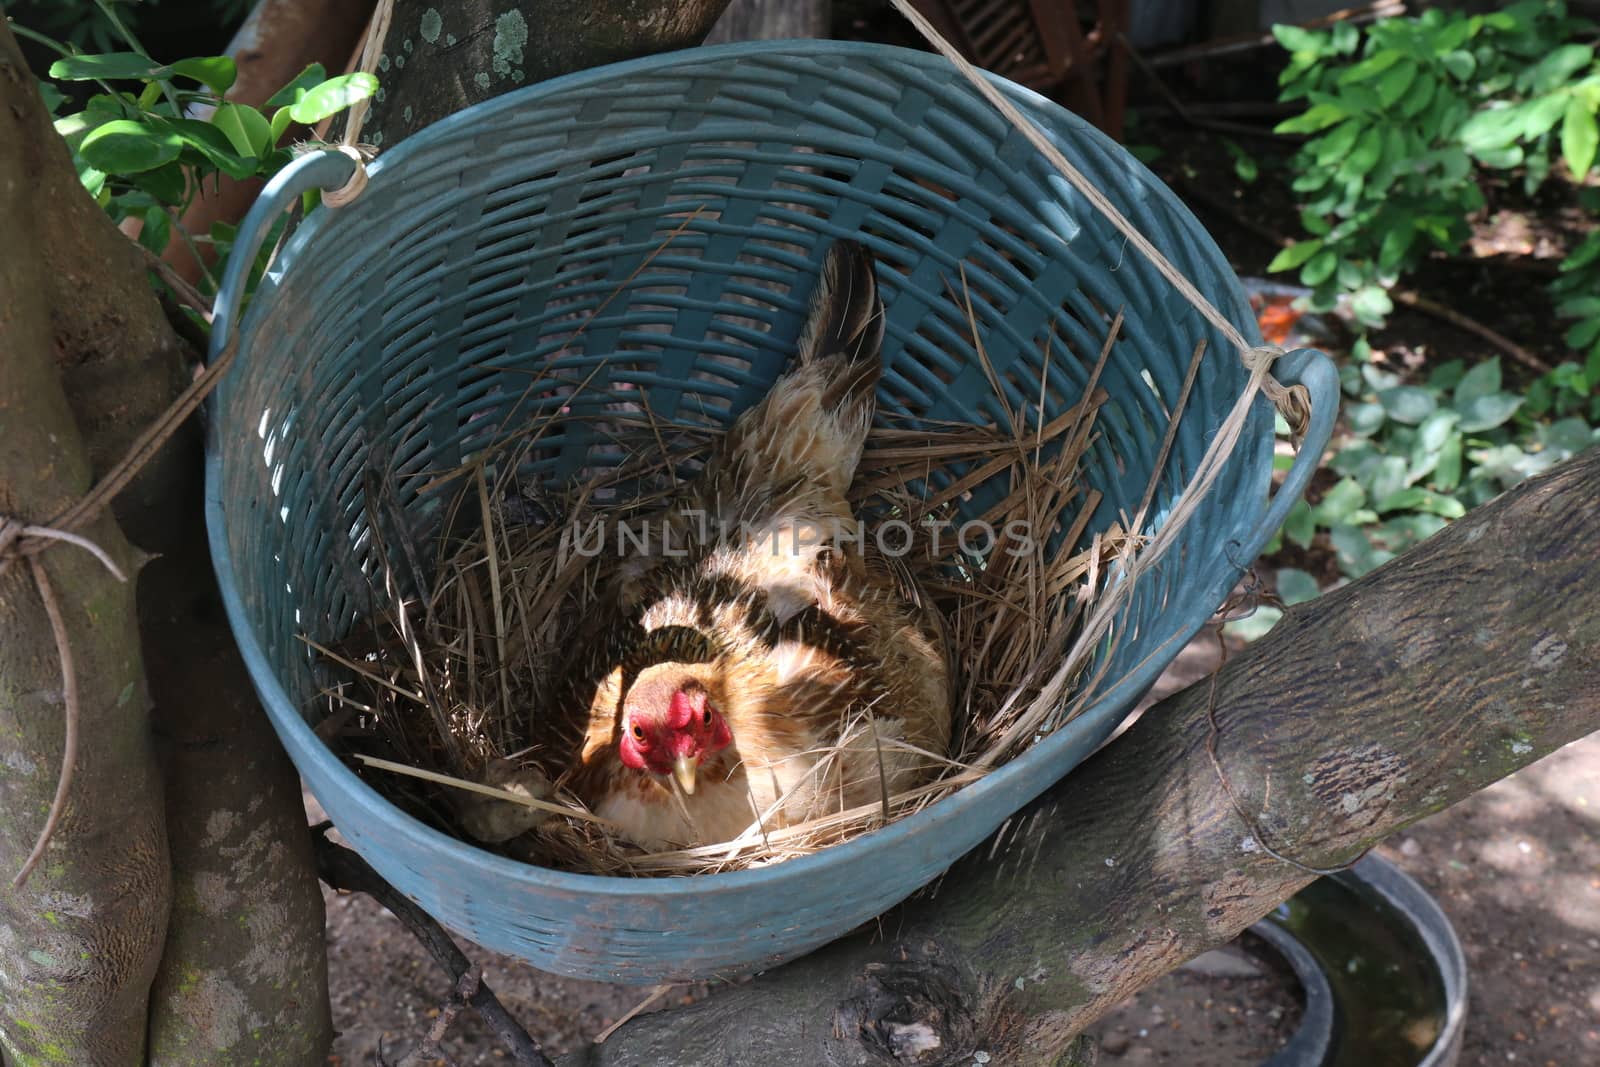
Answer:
(316, 170)
(1315, 371)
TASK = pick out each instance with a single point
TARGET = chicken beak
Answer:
(683, 770)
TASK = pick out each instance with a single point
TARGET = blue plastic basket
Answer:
(398, 331)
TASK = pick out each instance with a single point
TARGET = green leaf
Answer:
(53, 97)
(1356, 554)
(1295, 39)
(1588, 252)
(1579, 307)
(333, 96)
(1335, 144)
(280, 123)
(1447, 473)
(1487, 412)
(1501, 158)
(1371, 304)
(1447, 375)
(313, 75)
(72, 128)
(1388, 478)
(1397, 240)
(1320, 269)
(1460, 65)
(1394, 83)
(1315, 118)
(1296, 586)
(156, 231)
(1244, 164)
(1417, 499)
(246, 129)
(1300, 525)
(92, 179)
(1481, 381)
(1408, 404)
(211, 145)
(1364, 156)
(1579, 136)
(1555, 68)
(165, 184)
(1568, 437)
(1420, 97)
(111, 66)
(1436, 429)
(124, 146)
(1294, 255)
(1371, 67)
(1491, 129)
(1584, 333)
(214, 72)
(1345, 37)
(1341, 501)
(1365, 419)
(1540, 116)
(1378, 379)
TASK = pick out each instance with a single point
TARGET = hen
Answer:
(767, 670)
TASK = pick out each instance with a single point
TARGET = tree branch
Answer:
(1360, 713)
(343, 869)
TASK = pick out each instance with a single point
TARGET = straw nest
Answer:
(434, 692)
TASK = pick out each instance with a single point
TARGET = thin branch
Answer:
(343, 869)
(430, 1049)
(1238, 129)
(185, 292)
(1413, 299)
(1229, 45)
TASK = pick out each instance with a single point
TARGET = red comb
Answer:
(682, 710)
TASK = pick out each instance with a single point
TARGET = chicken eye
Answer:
(638, 732)
(705, 715)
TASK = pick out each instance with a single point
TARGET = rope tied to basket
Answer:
(371, 49)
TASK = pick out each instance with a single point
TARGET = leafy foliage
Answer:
(146, 155)
(1417, 456)
(1403, 121)
(1403, 118)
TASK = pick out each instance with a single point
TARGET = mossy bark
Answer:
(441, 57)
(1362, 712)
(80, 942)
(242, 977)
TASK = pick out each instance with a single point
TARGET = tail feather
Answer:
(804, 439)
(846, 316)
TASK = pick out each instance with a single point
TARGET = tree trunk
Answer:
(1360, 713)
(80, 941)
(243, 972)
(439, 58)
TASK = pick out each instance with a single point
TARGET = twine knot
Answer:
(357, 182)
(1292, 401)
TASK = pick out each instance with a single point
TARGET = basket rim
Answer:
(1098, 719)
